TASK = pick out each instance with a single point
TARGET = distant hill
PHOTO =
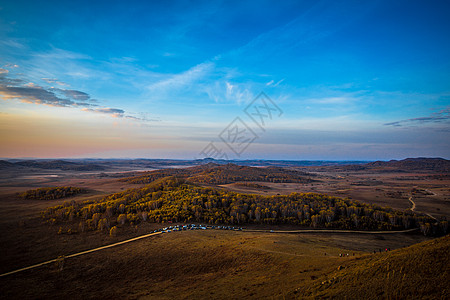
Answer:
(279, 163)
(420, 271)
(414, 164)
(410, 164)
(5, 164)
(212, 173)
(59, 165)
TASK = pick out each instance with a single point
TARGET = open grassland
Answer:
(200, 265)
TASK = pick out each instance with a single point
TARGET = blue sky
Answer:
(163, 79)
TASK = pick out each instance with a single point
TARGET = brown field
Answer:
(375, 187)
(194, 264)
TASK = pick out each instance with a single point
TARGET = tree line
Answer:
(51, 193)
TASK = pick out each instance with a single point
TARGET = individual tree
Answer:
(113, 231)
(121, 219)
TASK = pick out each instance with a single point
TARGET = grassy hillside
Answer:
(241, 265)
(421, 271)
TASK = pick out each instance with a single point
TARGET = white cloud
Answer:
(225, 91)
(278, 83)
(113, 112)
(333, 100)
(184, 79)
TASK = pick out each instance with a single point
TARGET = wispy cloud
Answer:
(114, 112)
(183, 79)
(120, 113)
(28, 92)
(334, 100)
(442, 116)
(78, 95)
(223, 90)
(272, 83)
(64, 64)
(316, 23)
(212, 78)
(57, 53)
(204, 79)
(54, 80)
(31, 94)
(11, 66)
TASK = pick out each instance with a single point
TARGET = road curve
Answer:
(414, 207)
(80, 253)
(413, 203)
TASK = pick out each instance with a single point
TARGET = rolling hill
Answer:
(53, 165)
(414, 164)
(211, 173)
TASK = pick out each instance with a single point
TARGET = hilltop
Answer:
(414, 164)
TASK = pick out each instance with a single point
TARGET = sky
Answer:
(299, 80)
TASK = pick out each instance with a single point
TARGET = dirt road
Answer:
(80, 253)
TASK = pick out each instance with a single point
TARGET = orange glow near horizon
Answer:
(44, 137)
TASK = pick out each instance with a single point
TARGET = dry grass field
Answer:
(196, 265)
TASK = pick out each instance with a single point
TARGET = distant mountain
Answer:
(410, 164)
(279, 163)
(45, 164)
(5, 164)
(414, 164)
(59, 165)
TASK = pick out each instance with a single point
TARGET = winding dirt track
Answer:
(413, 203)
(414, 207)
